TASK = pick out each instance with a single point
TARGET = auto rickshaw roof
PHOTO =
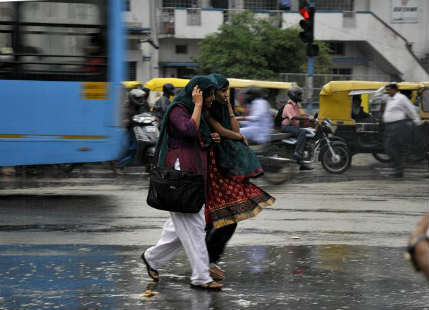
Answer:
(157, 83)
(132, 84)
(242, 83)
(347, 86)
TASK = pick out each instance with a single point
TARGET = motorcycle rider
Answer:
(138, 100)
(258, 124)
(137, 103)
(290, 123)
(163, 102)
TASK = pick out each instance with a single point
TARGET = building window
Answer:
(179, 3)
(185, 73)
(335, 5)
(219, 4)
(181, 49)
(127, 5)
(342, 71)
(46, 40)
(261, 4)
(132, 71)
(337, 48)
(194, 17)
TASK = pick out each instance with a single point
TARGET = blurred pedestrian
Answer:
(398, 117)
(183, 125)
(163, 102)
(231, 197)
(258, 125)
(291, 118)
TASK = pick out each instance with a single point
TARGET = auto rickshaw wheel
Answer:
(338, 164)
(382, 157)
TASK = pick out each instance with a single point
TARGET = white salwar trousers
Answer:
(185, 230)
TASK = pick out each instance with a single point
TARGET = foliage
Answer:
(254, 48)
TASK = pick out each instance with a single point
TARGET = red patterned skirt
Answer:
(230, 200)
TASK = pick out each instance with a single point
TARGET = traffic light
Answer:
(307, 23)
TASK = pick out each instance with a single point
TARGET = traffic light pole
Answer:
(309, 83)
(307, 10)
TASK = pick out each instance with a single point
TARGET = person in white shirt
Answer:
(258, 124)
(398, 117)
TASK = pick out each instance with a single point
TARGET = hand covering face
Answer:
(185, 98)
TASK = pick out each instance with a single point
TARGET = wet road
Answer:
(330, 242)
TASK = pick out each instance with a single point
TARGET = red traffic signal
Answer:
(307, 24)
(304, 13)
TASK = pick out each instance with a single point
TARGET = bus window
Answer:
(56, 40)
(6, 51)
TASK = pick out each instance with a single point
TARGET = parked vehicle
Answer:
(365, 134)
(145, 128)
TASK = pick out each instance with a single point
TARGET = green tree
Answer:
(254, 48)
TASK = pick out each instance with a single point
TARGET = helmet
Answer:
(295, 93)
(137, 93)
(168, 89)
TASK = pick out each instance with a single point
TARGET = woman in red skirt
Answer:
(230, 196)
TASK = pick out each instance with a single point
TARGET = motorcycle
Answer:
(277, 169)
(146, 131)
(277, 156)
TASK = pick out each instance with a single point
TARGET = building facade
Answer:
(369, 39)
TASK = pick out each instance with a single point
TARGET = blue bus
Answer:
(61, 68)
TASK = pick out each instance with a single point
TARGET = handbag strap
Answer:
(195, 144)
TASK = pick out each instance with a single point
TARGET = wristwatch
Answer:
(412, 247)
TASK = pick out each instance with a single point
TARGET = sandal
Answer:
(216, 273)
(150, 271)
(215, 286)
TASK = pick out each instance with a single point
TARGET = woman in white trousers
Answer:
(182, 125)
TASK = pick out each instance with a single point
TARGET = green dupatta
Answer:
(232, 156)
(185, 98)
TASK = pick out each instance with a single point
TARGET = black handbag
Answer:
(176, 190)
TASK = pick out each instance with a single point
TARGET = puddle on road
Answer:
(257, 277)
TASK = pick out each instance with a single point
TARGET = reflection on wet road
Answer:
(329, 242)
(258, 277)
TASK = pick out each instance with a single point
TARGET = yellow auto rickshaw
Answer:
(356, 108)
(155, 86)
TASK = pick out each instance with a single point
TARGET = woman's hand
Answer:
(215, 137)
(244, 140)
(197, 96)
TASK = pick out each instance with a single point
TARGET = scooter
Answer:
(146, 131)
